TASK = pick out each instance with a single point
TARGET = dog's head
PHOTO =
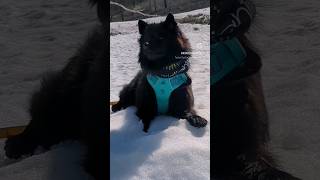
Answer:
(162, 44)
(102, 10)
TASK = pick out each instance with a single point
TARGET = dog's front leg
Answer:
(146, 112)
(181, 107)
(146, 103)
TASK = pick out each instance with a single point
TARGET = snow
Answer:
(61, 163)
(51, 33)
(172, 149)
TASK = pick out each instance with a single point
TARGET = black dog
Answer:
(71, 104)
(240, 123)
(164, 54)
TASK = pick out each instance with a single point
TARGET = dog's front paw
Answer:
(116, 107)
(197, 121)
(146, 125)
(17, 146)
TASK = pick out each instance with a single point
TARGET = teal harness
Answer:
(163, 87)
(225, 57)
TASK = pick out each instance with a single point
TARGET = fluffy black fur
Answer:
(160, 44)
(101, 9)
(240, 132)
(71, 104)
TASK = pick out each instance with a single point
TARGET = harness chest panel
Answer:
(163, 87)
(225, 57)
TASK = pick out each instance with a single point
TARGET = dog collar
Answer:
(173, 69)
(225, 57)
(163, 88)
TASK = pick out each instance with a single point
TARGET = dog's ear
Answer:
(170, 22)
(142, 26)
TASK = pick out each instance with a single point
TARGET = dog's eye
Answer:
(161, 38)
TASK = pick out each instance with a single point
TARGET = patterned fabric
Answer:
(231, 17)
(225, 56)
(163, 87)
(173, 69)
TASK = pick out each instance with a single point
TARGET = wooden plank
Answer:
(113, 103)
(15, 130)
(11, 131)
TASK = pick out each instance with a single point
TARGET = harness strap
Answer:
(225, 57)
(163, 88)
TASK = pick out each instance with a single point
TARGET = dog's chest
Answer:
(163, 88)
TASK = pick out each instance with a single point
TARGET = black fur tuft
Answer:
(102, 10)
(142, 26)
